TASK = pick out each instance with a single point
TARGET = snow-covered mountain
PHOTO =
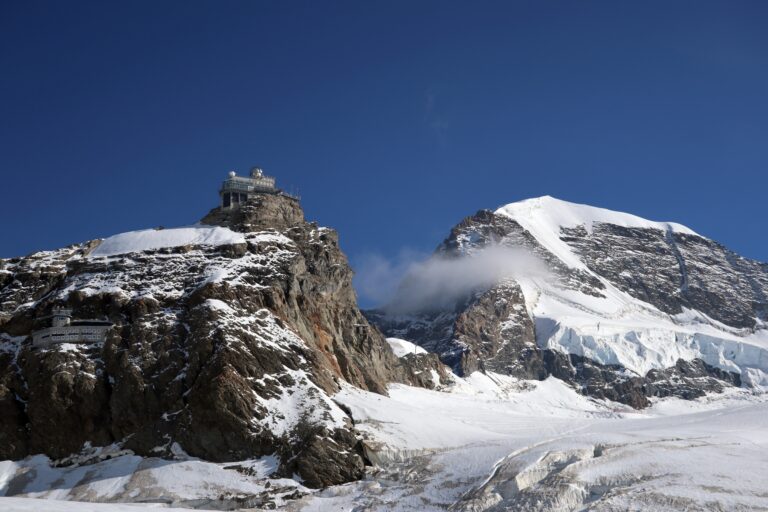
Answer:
(625, 308)
(229, 338)
(601, 362)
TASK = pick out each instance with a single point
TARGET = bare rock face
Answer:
(230, 351)
(425, 370)
(487, 229)
(495, 333)
(674, 271)
(263, 211)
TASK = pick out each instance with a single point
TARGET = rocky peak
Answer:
(228, 342)
(262, 211)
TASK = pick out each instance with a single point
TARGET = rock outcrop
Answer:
(229, 351)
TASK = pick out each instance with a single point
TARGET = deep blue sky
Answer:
(393, 119)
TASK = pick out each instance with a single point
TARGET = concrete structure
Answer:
(238, 189)
(65, 330)
(362, 329)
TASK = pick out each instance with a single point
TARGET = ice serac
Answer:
(627, 309)
(229, 338)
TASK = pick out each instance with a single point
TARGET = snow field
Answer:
(150, 239)
(402, 348)
(486, 445)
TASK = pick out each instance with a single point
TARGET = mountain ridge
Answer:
(570, 214)
(228, 340)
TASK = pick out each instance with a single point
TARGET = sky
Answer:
(393, 120)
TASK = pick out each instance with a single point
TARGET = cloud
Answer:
(437, 282)
(377, 278)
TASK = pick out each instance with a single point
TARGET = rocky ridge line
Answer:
(229, 352)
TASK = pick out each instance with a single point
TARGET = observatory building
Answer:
(65, 330)
(238, 189)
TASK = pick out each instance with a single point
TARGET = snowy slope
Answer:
(544, 217)
(616, 328)
(38, 505)
(148, 239)
(489, 443)
(402, 348)
(126, 478)
(493, 445)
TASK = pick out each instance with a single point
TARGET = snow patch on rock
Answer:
(544, 217)
(402, 348)
(151, 239)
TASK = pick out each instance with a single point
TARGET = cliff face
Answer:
(628, 308)
(230, 348)
(676, 271)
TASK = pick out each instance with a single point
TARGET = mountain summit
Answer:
(224, 340)
(626, 308)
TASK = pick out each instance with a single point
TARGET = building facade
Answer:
(65, 330)
(236, 190)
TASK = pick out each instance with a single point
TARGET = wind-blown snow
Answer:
(148, 239)
(544, 217)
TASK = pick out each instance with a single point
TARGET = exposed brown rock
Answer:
(230, 351)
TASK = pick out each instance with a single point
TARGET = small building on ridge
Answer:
(236, 190)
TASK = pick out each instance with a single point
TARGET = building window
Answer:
(227, 202)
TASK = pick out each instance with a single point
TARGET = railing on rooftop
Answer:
(70, 334)
(297, 197)
(242, 184)
(239, 184)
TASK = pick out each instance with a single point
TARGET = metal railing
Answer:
(248, 185)
(297, 197)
